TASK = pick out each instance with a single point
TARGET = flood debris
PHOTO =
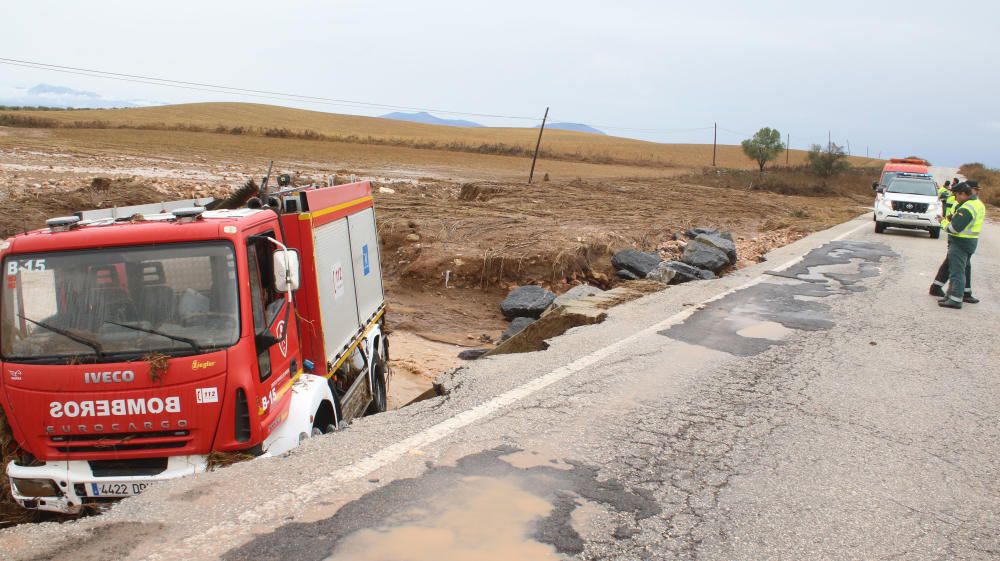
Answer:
(158, 363)
(217, 460)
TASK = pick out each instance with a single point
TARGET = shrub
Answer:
(829, 162)
(988, 178)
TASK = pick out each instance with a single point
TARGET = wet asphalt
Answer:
(823, 411)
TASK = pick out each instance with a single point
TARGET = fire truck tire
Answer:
(379, 398)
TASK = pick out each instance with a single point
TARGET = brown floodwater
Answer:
(478, 519)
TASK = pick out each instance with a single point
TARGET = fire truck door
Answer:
(272, 314)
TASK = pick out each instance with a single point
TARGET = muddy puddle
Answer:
(482, 508)
(480, 518)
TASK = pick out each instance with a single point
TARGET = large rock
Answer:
(695, 232)
(685, 273)
(526, 301)
(626, 275)
(704, 255)
(663, 273)
(472, 354)
(517, 326)
(636, 262)
(722, 241)
(575, 293)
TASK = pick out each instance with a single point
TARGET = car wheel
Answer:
(879, 227)
(935, 233)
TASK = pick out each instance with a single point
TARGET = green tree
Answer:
(829, 162)
(765, 146)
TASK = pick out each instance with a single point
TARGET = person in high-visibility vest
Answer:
(944, 191)
(963, 237)
(941, 278)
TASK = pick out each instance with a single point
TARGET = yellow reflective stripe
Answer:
(280, 392)
(325, 211)
(349, 350)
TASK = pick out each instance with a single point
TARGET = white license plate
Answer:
(909, 216)
(116, 488)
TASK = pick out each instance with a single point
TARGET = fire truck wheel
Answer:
(378, 404)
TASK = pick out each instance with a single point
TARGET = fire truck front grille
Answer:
(123, 468)
(83, 443)
(121, 447)
(905, 206)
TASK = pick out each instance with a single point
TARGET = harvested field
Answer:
(248, 119)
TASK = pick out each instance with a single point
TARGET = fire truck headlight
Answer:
(36, 487)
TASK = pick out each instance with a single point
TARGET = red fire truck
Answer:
(135, 342)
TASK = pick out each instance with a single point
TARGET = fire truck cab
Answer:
(136, 342)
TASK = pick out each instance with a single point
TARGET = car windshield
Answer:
(913, 187)
(887, 177)
(118, 304)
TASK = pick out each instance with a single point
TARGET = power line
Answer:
(285, 96)
(329, 101)
(216, 88)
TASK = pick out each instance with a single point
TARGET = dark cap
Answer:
(972, 183)
(962, 188)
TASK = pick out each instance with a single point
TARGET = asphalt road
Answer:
(818, 406)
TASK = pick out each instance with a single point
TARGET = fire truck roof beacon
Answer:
(188, 214)
(62, 223)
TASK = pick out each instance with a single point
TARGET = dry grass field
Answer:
(256, 119)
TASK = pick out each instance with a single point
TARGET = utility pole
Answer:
(829, 142)
(715, 141)
(537, 146)
(788, 147)
(848, 146)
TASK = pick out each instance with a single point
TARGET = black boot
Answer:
(936, 291)
(969, 299)
(949, 303)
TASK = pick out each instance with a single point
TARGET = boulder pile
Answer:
(707, 253)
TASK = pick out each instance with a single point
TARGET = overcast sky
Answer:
(899, 78)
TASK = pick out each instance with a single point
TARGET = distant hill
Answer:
(578, 127)
(428, 119)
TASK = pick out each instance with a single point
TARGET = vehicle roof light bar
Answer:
(62, 223)
(188, 214)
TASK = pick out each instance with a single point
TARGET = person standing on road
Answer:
(941, 278)
(947, 202)
(944, 191)
(963, 238)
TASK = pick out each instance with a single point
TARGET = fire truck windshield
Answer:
(118, 304)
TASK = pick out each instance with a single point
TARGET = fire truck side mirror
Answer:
(286, 270)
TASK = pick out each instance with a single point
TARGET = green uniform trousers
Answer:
(960, 251)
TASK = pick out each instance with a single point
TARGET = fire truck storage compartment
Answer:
(349, 277)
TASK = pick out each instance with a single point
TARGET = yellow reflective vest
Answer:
(950, 206)
(972, 229)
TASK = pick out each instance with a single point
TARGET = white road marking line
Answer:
(361, 468)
